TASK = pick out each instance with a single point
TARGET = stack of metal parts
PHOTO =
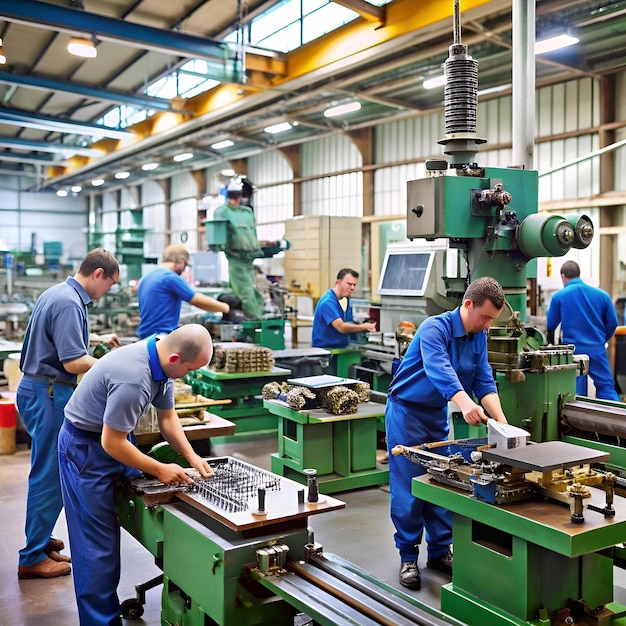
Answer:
(239, 357)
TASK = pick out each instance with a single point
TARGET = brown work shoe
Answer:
(44, 569)
(54, 544)
(58, 557)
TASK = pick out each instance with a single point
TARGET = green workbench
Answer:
(520, 563)
(342, 448)
(342, 359)
(246, 409)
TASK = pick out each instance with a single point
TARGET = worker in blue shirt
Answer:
(588, 320)
(55, 351)
(446, 361)
(162, 292)
(332, 322)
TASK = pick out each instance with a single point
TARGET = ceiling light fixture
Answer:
(122, 175)
(3, 56)
(227, 172)
(550, 44)
(227, 143)
(97, 182)
(62, 193)
(148, 167)
(82, 47)
(76, 188)
(184, 156)
(278, 128)
(434, 82)
(342, 109)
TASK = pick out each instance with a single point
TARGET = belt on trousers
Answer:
(50, 380)
(79, 432)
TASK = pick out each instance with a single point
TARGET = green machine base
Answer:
(342, 448)
(526, 562)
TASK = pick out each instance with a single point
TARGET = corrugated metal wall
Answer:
(273, 203)
(153, 202)
(335, 195)
(184, 210)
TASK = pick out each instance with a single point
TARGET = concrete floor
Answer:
(361, 533)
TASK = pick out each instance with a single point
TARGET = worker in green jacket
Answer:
(241, 249)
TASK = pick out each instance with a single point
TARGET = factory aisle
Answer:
(361, 533)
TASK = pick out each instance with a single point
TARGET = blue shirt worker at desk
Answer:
(162, 292)
(588, 320)
(445, 361)
(95, 452)
(332, 322)
(55, 351)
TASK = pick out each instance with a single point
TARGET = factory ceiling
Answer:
(50, 100)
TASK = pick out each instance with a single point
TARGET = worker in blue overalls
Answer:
(446, 361)
(588, 320)
(95, 451)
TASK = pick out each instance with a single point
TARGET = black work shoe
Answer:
(410, 575)
(443, 563)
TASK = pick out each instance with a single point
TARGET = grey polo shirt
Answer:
(58, 331)
(119, 387)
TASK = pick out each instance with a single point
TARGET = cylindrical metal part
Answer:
(543, 235)
(261, 492)
(595, 418)
(461, 91)
(313, 495)
(583, 230)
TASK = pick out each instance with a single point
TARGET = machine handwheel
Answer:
(132, 609)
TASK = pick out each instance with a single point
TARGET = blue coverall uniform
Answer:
(329, 309)
(115, 392)
(58, 331)
(588, 320)
(160, 296)
(441, 360)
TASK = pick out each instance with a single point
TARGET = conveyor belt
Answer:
(595, 417)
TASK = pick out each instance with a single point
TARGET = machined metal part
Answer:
(272, 558)
(595, 418)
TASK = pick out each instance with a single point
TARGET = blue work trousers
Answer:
(41, 408)
(600, 373)
(88, 477)
(410, 425)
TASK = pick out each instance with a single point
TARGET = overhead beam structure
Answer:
(22, 119)
(365, 9)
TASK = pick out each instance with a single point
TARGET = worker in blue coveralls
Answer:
(332, 322)
(54, 352)
(446, 361)
(95, 452)
(162, 292)
(588, 320)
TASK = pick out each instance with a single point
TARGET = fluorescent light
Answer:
(278, 128)
(3, 56)
(82, 47)
(555, 43)
(185, 156)
(436, 81)
(76, 188)
(97, 182)
(148, 167)
(61, 193)
(227, 143)
(122, 175)
(227, 172)
(342, 109)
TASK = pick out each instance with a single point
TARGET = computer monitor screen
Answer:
(405, 273)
